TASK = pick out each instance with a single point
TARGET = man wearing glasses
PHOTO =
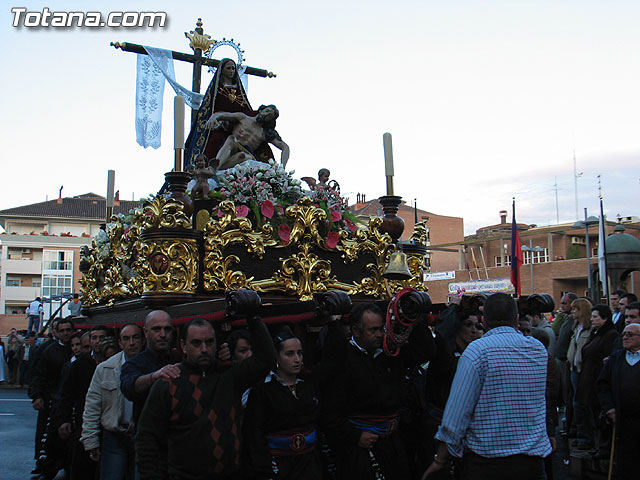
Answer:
(619, 393)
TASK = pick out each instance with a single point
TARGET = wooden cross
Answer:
(200, 43)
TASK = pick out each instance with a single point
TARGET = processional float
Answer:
(303, 252)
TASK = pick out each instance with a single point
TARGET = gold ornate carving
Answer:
(303, 273)
(202, 218)
(164, 212)
(271, 75)
(420, 234)
(180, 275)
(231, 230)
(374, 242)
(112, 265)
(200, 41)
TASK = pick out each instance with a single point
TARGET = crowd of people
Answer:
(592, 340)
(474, 396)
(17, 358)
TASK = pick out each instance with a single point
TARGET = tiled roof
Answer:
(86, 206)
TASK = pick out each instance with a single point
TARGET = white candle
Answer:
(111, 181)
(178, 120)
(388, 155)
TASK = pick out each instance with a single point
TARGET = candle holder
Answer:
(391, 222)
(177, 185)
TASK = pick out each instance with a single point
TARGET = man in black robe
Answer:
(365, 400)
(619, 393)
(46, 383)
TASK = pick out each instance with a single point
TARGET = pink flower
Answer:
(350, 225)
(219, 213)
(242, 211)
(267, 209)
(284, 232)
(335, 216)
(332, 239)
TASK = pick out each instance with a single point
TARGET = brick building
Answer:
(559, 266)
(40, 251)
(442, 230)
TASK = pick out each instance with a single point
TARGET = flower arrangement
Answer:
(266, 189)
(335, 206)
(261, 187)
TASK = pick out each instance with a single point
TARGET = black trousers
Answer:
(520, 467)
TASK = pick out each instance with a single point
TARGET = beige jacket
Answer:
(104, 404)
(574, 354)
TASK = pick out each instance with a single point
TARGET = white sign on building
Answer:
(482, 286)
(430, 277)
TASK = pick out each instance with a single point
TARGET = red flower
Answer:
(284, 232)
(350, 225)
(332, 239)
(267, 208)
(242, 211)
(335, 216)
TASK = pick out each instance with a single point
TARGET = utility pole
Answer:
(576, 175)
(557, 207)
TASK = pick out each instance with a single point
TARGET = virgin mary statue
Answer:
(224, 94)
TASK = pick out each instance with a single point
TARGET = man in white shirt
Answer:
(35, 312)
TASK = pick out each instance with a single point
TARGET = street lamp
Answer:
(588, 221)
(531, 249)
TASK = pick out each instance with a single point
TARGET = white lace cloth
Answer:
(152, 70)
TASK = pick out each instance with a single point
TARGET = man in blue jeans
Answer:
(35, 312)
(106, 409)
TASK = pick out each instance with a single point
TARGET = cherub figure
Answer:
(201, 173)
(323, 179)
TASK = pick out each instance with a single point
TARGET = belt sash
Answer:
(291, 442)
(382, 425)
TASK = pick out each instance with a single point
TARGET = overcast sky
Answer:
(486, 100)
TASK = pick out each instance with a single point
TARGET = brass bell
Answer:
(398, 268)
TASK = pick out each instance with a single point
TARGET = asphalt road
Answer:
(17, 431)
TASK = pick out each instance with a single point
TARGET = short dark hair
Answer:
(571, 296)
(283, 335)
(603, 310)
(630, 306)
(233, 337)
(500, 309)
(631, 297)
(75, 295)
(358, 311)
(95, 328)
(64, 320)
(194, 322)
(130, 324)
(76, 334)
(619, 292)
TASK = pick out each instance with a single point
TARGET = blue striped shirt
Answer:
(497, 404)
